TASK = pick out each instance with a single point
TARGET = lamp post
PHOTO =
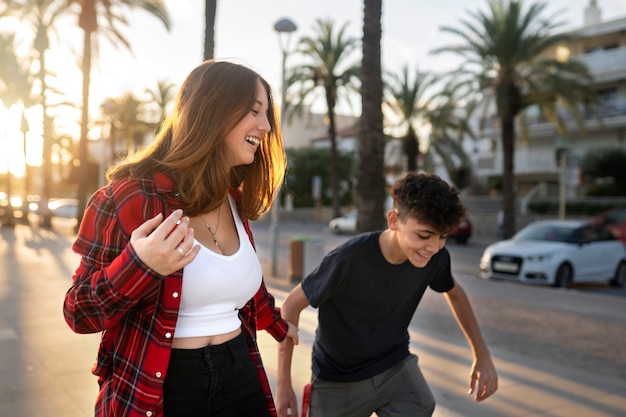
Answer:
(284, 27)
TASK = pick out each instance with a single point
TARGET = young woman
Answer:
(169, 274)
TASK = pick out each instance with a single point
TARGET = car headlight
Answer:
(485, 260)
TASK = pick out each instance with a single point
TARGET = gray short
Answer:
(400, 391)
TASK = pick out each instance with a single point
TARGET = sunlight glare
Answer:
(12, 142)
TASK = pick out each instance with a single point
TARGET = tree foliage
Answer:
(324, 72)
(604, 172)
(40, 17)
(308, 162)
(14, 78)
(407, 95)
(105, 18)
(504, 60)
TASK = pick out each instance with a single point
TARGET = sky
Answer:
(244, 33)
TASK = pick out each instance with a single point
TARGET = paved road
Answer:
(44, 367)
(578, 328)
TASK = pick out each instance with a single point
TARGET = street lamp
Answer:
(284, 27)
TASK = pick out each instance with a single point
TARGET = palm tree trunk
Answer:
(411, 150)
(508, 183)
(210, 8)
(509, 105)
(46, 221)
(334, 170)
(371, 180)
(84, 128)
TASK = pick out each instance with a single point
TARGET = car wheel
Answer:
(620, 276)
(462, 240)
(564, 276)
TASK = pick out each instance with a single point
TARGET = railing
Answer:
(605, 62)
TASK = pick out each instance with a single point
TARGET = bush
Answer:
(605, 166)
(306, 163)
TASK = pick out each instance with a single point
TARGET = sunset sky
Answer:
(244, 33)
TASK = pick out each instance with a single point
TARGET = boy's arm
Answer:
(285, 398)
(483, 376)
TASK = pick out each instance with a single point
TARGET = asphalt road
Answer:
(465, 258)
(559, 353)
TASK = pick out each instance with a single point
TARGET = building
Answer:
(310, 129)
(601, 45)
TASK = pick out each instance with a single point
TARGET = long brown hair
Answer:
(214, 97)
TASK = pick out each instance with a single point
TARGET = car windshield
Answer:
(546, 232)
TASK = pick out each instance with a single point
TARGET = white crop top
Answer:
(215, 286)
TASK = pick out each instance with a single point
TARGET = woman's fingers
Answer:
(165, 245)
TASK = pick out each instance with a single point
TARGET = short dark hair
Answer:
(428, 199)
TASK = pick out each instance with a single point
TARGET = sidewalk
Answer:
(45, 368)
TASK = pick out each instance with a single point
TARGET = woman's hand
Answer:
(165, 245)
(292, 333)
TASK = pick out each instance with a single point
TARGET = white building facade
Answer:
(602, 47)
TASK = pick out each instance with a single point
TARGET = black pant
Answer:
(216, 380)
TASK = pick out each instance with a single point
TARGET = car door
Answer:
(594, 255)
(584, 259)
(612, 252)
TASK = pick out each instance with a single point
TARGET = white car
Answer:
(63, 207)
(344, 224)
(557, 253)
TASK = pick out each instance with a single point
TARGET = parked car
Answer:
(347, 225)
(12, 209)
(557, 253)
(615, 221)
(63, 207)
(462, 233)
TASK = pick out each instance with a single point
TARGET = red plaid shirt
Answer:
(134, 307)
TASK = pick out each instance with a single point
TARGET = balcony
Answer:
(611, 111)
(605, 64)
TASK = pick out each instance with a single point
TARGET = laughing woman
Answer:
(169, 275)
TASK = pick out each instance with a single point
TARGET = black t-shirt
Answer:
(365, 307)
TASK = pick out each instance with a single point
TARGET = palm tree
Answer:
(127, 116)
(449, 124)
(326, 53)
(14, 79)
(162, 97)
(210, 8)
(408, 99)
(41, 16)
(425, 101)
(505, 58)
(371, 180)
(14, 89)
(104, 17)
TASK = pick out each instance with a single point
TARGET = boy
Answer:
(366, 292)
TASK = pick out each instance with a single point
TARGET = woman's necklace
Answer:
(217, 225)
